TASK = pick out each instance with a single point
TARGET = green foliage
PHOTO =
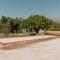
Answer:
(33, 22)
(56, 26)
(39, 22)
(54, 29)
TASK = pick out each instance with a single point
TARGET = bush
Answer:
(54, 29)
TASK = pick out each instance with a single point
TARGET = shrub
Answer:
(54, 29)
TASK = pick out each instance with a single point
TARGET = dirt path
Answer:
(8, 40)
(48, 50)
(20, 42)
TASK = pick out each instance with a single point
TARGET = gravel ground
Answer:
(48, 50)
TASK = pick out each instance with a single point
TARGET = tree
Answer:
(34, 23)
(37, 22)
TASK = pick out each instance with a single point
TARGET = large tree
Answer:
(37, 22)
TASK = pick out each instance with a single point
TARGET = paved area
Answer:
(48, 50)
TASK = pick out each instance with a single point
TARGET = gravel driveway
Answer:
(48, 50)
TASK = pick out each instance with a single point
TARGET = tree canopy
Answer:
(33, 22)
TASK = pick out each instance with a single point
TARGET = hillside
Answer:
(56, 19)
